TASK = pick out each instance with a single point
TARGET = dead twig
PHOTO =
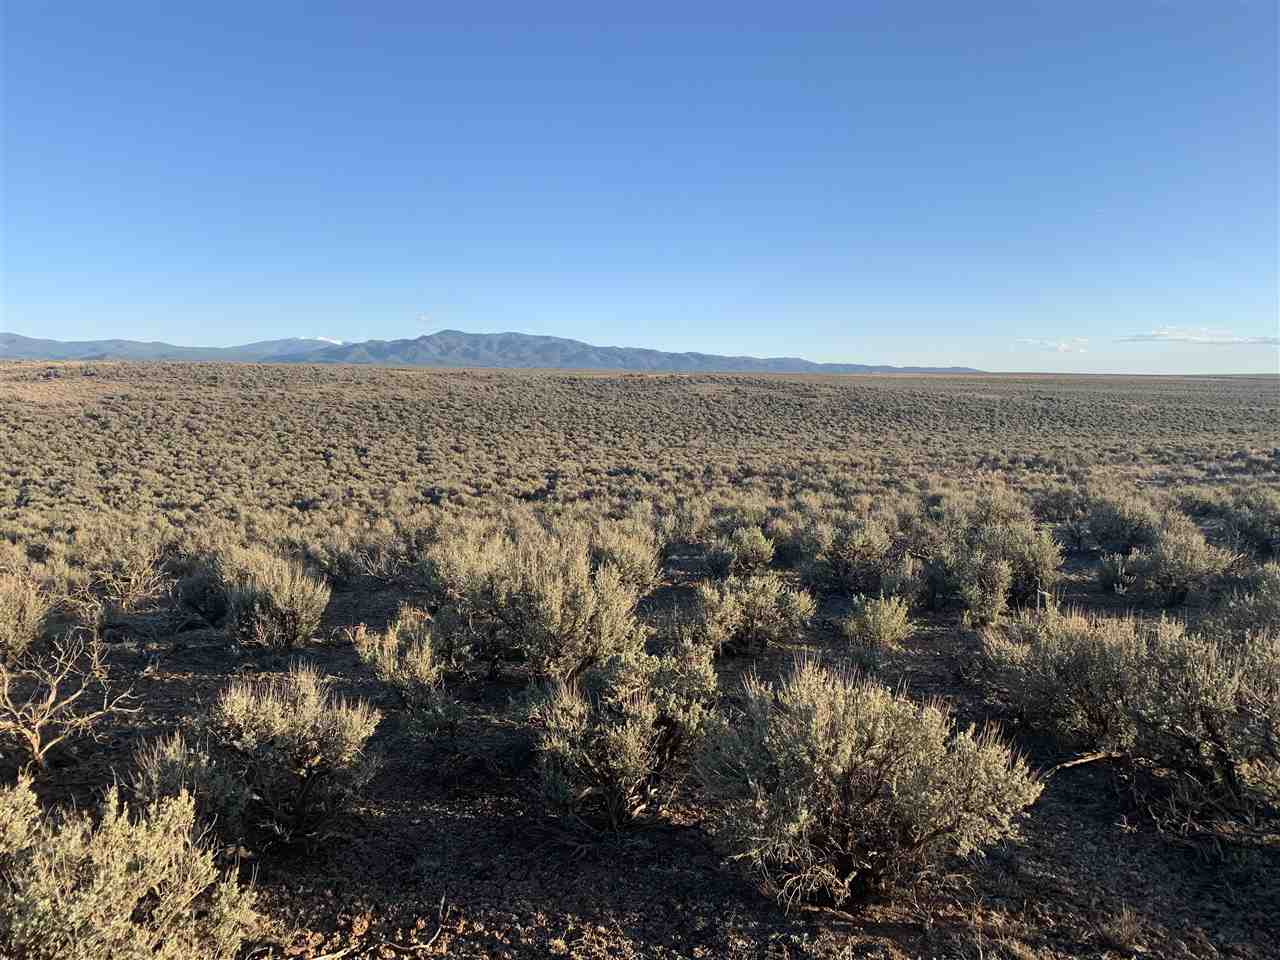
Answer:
(1081, 761)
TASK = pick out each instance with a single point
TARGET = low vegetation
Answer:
(24, 610)
(797, 653)
(301, 751)
(875, 625)
(741, 615)
(525, 594)
(53, 697)
(137, 885)
(831, 786)
(270, 600)
(1201, 707)
(405, 659)
(612, 741)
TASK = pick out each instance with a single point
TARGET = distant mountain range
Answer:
(14, 347)
(447, 348)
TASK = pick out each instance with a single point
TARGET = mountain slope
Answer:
(453, 348)
(447, 348)
(15, 347)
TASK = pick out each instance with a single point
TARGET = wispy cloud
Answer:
(1199, 335)
(1070, 345)
(331, 340)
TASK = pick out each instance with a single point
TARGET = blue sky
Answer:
(1014, 186)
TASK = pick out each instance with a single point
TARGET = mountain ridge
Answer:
(444, 348)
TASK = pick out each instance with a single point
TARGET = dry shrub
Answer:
(532, 595)
(144, 887)
(609, 742)
(271, 600)
(1116, 574)
(739, 615)
(1180, 563)
(166, 767)
(51, 696)
(24, 612)
(344, 554)
(875, 624)
(1123, 522)
(1203, 707)
(299, 749)
(123, 563)
(633, 547)
(683, 522)
(986, 554)
(407, 659)
(853, 559)
(1254, 606)
(745, 550)
(831, 786)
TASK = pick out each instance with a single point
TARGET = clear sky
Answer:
(1014, 186)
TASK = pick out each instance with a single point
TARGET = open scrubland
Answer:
(306, 661)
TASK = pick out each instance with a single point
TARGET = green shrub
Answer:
(530, 595)
(1253, 520)
(876, 624)
(1124, 522)
(631, 546)
(406, 659)
(995, 503)
(300, 750)
(832, 786)
(1115, 574)
(746, 550)
(1250, 517)
(166, 767)
(1255, 606)
(1179, 563)
(76, 887)
(987, 556)
(608, 742)
(1205, 708)
(201, 590)
(739, 615)
(854, 560)
(1060, 503)
(1032, 554)
(984, 586)
(1068, 672)
(271, 600)
(904, 579)
(24, 612)
(791, 541)
(978, 577)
